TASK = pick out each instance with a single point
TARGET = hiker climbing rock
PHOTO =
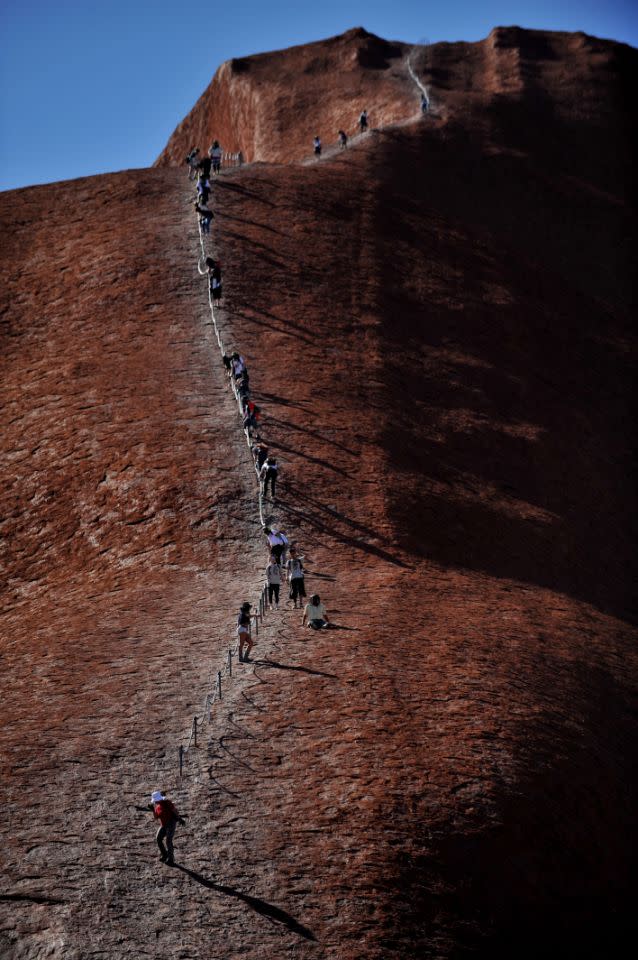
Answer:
(205, 216)
(260, 453)
(204, 165)
(317, 146)
(275, 542)
(343, 139)
(215, 153)
(273, 581)
(425, 104)
(203, 189)
(238, 365)
(216, 290)
(315, 614)
(193, 162)
(295, 572)
(164, 811)
(268, 474)
(363, 121)
(284, 553)
(243, 632)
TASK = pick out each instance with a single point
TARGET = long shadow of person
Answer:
(268, 910)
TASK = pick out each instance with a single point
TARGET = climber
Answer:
(315, 614)
(193, 162)
(268, 473)
(343, 139)
(260, 453)
(216, 282)
(203, 189)
(273, 581)
(238, 365)
(215, 154)
(249, 422)
(274, 542)
(425, 104)
(284, 553)
(204, 165)
(164, 811)
(317, 145)
(296, 577)
(363, 121)
(243, 632)
(244, 394)
(205, 216)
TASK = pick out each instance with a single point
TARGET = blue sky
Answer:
(90, 86)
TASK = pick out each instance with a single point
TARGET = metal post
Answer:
(230, 663)
(194, 731)
(219, 683)
(181, 760)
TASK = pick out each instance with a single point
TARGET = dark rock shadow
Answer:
(289, 666)
(262, 907)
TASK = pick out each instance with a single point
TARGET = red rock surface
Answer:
(437, 325)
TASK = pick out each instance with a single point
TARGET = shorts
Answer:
(241, 630)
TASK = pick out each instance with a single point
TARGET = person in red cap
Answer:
(164, 811)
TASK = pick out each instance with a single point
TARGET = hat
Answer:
(156, 796)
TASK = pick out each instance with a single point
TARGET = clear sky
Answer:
(90, 86)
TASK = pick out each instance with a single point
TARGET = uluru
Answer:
(436, 315)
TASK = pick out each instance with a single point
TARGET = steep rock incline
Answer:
(450, 773)
(271, 106)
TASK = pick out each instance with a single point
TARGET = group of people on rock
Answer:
(284, 562)
(342, 136)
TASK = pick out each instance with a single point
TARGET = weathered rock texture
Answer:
(271, 106)
(438, 328)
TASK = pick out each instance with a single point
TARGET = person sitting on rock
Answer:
(317, 145)
(315, 614)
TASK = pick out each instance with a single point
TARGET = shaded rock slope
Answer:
(438, 324)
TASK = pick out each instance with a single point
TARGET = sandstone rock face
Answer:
(271, 106)
(438, 328)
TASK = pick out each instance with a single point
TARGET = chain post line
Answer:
(211, 698)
